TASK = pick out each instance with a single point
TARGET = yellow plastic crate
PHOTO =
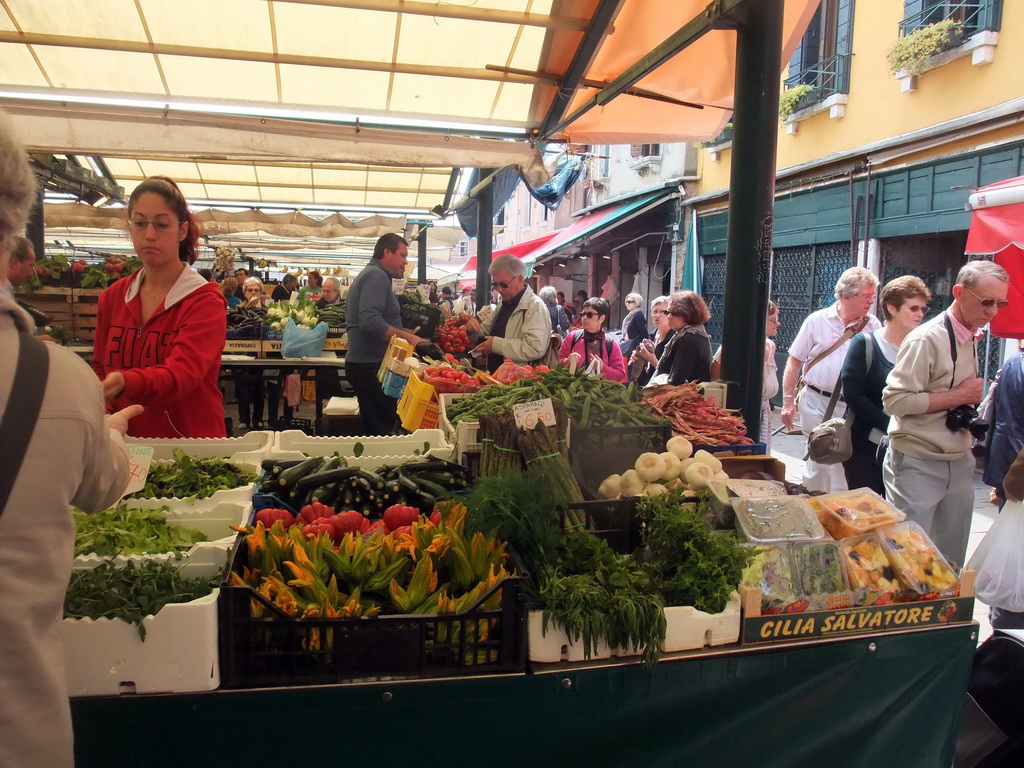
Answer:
(418, 408)
(398, 350)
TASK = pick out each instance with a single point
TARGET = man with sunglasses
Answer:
(520, 327)
(929, 468)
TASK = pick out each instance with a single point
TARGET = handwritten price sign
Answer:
(529, 415)
(139, 459)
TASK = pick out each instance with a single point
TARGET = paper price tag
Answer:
(528, 415)
(139, 459)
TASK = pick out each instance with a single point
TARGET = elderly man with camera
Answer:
(931, 396)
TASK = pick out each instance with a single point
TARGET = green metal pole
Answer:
(484, 239)
(421, 257)
(751, 207)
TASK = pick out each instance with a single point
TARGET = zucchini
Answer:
(433, 489)
(443, 479)
(275, 466)
(319, 479)
(373, 478)
(295, 473)
(326, 494)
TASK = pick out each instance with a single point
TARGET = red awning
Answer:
(997, 227)
(519, 251)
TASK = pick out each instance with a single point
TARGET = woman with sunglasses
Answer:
(687, 355)
(634, 324)
(589, 342)
(644, 360)
(904, 303)
(160, 331)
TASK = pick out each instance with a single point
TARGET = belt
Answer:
(823, 393)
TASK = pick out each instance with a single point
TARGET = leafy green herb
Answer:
(691, 564)
(130, 593)
(187, 476)
(124, 531)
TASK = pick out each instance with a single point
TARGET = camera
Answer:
(966, 417)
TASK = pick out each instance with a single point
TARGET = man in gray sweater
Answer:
(929, 468)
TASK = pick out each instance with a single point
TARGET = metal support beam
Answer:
(600, 25)
(421, 257)
(484, 239)
(720, 14)
(34, 227)
(751, 207)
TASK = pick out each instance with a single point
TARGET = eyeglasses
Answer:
(630, 301)
(865, 296)
(774, 319)
(658, 312)
(922, 308)
(160, 225)
(588, 314)
(503, 286)
(677, 313)
(988, 303)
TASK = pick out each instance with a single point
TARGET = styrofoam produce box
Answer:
(465, 434)
(251, 447)
(240, 495)
(106, 657)
(294, 444)
(212, 518)
(554, 646)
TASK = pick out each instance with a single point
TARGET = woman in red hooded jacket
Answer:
(160, 331)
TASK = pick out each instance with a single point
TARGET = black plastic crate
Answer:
(250, 332)
(421, 319)
(653, 437)
(614, 520)
(277, 650)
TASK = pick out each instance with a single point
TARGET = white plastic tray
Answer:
(294, 444)
(106, 657)
(212, 518)
(251, 447)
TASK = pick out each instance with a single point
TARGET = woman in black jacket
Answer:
(687, 355)
(904, 303)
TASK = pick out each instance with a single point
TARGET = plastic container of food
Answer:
(919, 565)
(856, 512)
(818, 568)
(724, 491)
(772, 521)
(868, 570)
(771, 572)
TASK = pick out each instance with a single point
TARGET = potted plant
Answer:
(910, 54)
(793, 99)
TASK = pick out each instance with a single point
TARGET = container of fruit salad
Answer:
(777, 520)
(920, 567)
(868, 570)
(854, 513)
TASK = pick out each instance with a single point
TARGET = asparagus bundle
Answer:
(544, 449)
(500, 447)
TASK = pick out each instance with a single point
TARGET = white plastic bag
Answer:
(999, 560)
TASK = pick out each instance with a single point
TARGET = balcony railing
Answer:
(827, 77)
(975, 15)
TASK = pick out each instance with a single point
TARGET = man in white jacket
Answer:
(519, 329)
(72, 457)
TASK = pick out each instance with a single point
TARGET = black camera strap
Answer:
(952, 345)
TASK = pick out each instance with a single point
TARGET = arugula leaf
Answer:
(124, 531)
(190, 477)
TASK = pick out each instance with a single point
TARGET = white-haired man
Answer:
(519, 328)
(827, 330)
(929, 468)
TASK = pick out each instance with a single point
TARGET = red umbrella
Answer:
(997, 227)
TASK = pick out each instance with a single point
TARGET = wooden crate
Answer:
(85, 305)
(52, 301)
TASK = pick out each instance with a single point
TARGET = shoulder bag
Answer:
(830, 442)
(847, 335)
(22, 410)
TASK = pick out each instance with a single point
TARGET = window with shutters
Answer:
(975, 32)
(975, 15)
(819, 72)
(645, 157)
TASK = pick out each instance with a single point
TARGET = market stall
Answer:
(489, 570)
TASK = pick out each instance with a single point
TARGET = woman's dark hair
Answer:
(600, 306)
(690, 306)
(319, 279)
(168, 190)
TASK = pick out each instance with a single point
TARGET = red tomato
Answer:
(314, 511)
(269, 516)
(348, 522)
(398, 515)
(435, 517)
(320, 528)
(399, 531)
